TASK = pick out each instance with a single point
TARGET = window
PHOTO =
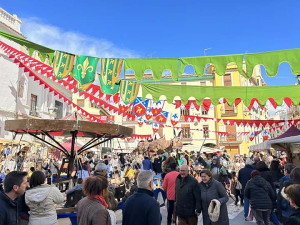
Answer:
(203, 111)
(205, 131)
(133, 129)
(186, 132)
(227, 80)
(184, 112)
(231, 129)
(228, 109)
(49, 100)
(94, 105)
(21, 87)
(257, 81)
(59, 109)
(33, 104)
(80, 102)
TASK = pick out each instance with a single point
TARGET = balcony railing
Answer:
(10, 20)
(232, 139)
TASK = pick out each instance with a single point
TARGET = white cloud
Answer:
(72, 42)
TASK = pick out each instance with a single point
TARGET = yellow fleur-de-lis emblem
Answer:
(130, 83)
(109, 82)
(139, 110)
(112, 61)
(62, 65)
(110, 71)
(65, 55)
(129, 92)
(85, 68)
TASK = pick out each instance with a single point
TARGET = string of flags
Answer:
(84, 69)
(93, 93)
(265, 133)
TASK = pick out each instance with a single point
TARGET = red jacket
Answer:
(169, 184)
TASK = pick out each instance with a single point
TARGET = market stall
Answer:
(98, 133)
(289, 141)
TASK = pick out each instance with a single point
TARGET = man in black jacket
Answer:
(15, 185)
(141, 208)
(187, 198)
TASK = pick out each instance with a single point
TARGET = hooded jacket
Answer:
(42, 201)
(260, 193)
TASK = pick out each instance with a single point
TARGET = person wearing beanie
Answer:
(261, 196)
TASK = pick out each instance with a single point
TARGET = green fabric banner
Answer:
(220, 62)
(262, 93)
(272, 60)
(110, 72)
(63, 64)
(85, 70)
(44, 51)
(129, 90)
(156, 65)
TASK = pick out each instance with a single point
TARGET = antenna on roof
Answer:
(204, 51)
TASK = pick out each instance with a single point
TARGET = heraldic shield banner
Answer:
(85, 70)
(110, 72)
(128, 91)
(63, 64)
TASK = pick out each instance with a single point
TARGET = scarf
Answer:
(101, 199)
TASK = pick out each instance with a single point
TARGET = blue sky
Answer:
(168, 28)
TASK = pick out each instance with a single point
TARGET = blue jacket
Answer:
(244, 176)
(282, 179)
(147, 164)
(141, 209)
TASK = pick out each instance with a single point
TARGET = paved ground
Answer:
(235, 214)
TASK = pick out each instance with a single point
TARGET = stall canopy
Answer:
(73, 128)
(292, 135)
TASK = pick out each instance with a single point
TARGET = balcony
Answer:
(229, 114)
(232, 140)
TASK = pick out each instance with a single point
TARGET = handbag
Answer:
(238, 186)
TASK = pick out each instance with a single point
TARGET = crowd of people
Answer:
(194, 184)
